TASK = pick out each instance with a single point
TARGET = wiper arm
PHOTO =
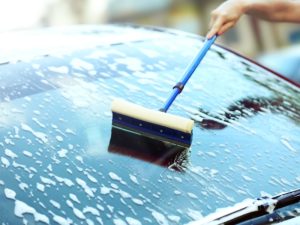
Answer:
(249, 209)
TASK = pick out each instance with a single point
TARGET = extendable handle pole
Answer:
(188, 72)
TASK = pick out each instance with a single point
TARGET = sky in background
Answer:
(18, 14)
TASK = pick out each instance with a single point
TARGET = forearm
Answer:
(273, 10)
(229, 12)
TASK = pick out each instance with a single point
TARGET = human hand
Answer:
(225, 16)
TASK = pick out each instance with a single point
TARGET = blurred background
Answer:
(251, 37)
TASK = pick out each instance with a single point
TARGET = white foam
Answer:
(246, 178)
(160, 218)
(23, 186)
(22, 208)
(86, 188)
(40, 187)
(9, 193)
(66, 181)
(150, 53)
(124, 194)
(176, 192)
(89, 222)
(62, 221)
(175, 219)
(79, 158)
(69, 131)
(80, 64)
(195, 215)
(62, 153)
(91, 178)
(191, 195)
(55, 204)
(105, 190)
(133, 179)
(116, 177)
(47, 181)
(137, 201)
(69, 203)
(41, 136)
(119, 222)
(129, 86)
(10, 153)
(78, 214)
(115, 186)
(49, 167)
(133, 64)
(286, 143)
(59, 69)
(74, 198)
(59, 138)
(38, 122)
(132, 221)
(28, 154)
(91, 210)
(5, 162)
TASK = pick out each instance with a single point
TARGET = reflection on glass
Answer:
(144, 148)
(248, 107)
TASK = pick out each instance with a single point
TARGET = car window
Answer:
(56, 163)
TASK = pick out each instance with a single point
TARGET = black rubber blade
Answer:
(152, 130)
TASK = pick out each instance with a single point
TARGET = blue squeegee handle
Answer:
(188, 73)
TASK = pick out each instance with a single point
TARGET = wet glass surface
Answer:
(55, 122)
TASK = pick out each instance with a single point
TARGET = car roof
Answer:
(284, 61)
(292, 51)
(58, 162)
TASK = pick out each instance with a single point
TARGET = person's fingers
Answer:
(217, 24)
(211, 33)
(213, 18)
(225, 27)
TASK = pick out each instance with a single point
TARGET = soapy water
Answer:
(55, 163)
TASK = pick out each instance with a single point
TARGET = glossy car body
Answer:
(285, 62)
(57, 165)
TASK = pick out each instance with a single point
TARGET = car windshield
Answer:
(56, 164)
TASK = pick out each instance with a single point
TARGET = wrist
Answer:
(246, 5)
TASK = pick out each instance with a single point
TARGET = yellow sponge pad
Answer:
(152, 116)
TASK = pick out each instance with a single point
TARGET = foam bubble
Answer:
(9, 193)
(22, 208)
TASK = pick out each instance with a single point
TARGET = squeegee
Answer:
(159, 124)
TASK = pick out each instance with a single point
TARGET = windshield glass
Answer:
(56, 164)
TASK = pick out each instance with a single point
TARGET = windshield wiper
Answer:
(252, 211)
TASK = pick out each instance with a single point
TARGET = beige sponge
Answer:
(152, 116)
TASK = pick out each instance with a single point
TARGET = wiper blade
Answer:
(249, 209)
(287, 198)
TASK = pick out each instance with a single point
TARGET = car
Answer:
(285, 61)
(62, 163)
